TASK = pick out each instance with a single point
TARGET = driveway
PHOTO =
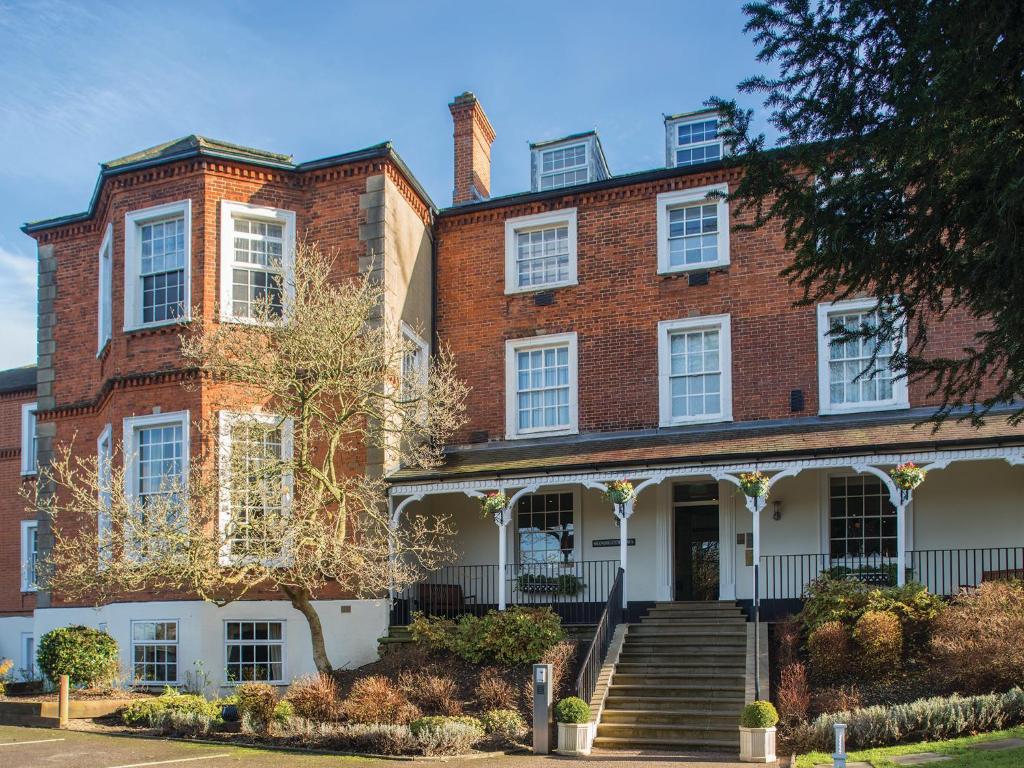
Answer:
(41, 748)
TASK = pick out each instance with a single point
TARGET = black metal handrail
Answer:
(611, 617)
(576, 591)
(943, 571)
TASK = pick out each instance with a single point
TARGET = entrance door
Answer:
(695, 507)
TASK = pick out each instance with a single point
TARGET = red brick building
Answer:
(612, 327)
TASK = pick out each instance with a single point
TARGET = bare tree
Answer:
(279, 496)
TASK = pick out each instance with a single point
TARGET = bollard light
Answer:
(541, 709)
(839, 758)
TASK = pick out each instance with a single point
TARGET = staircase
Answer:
(680, 680)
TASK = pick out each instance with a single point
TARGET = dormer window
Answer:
(693, 138)
(564, 167)
(565, 162)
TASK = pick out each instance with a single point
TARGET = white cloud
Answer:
(18, 316)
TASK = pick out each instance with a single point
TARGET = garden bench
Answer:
(443, 598)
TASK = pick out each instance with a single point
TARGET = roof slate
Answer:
(18, 379)
(189, 145)
(727, 443)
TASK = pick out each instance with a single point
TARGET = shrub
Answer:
(977, 640)
(186, 708)
(184, 722)
(831, 598)
(828, 650)
(315, 698)
(87, 656)
(188, 703)
(283, 712)
(511, 637)
(377, 699)
(447, 735)
(572, 709)
(794, 694)
(787, 642)
(141, 713)
(931, 719)
(495, 692)
(506, 725)
(879, 635)
(759, 714)
(431, 693)
(836, 699)
(256, 705)
(357, 737)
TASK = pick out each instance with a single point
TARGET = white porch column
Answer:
(901, 537)
(624, 512)
(501, 522)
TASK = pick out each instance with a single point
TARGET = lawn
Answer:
(958, 748)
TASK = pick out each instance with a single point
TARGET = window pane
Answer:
(543, 387)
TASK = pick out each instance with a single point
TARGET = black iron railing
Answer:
(575, 591)
(943, 571)
(611, 617)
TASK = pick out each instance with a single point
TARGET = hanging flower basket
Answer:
(493, 504)
(754, 484)
(619, 491)
(907, 476)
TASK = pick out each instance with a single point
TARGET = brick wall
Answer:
(12, 507)
(617, 305)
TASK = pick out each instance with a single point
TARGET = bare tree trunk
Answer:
(301, 602)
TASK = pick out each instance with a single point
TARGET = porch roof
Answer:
(850, 435)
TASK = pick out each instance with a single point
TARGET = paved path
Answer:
(45, 748)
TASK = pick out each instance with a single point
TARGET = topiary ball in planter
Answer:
(86, 655)
(757, 732)
(575, 734)
(572, 710)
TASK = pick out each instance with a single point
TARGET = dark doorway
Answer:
(695, 507)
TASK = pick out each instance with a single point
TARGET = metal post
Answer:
(756, 511)
(542, 709)
(839, 758)
(63, 701)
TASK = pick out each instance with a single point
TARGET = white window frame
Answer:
(132, 424)
(409, 335)
(900, 396)
(668, 201)
(577, 522)
(28, 527)
(104, 294)
(229, 211)
(560, 148)
(176, 643)
(29, 448)
(721, 323)
(227, 421)
(519, 224)
(514, 346)
(28, 657)
(283, 643)
(675, 146)
(133, 222)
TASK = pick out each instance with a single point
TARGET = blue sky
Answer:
(87, 82)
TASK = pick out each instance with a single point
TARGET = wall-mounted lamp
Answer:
(776, 510)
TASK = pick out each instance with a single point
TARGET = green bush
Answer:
(829, 651)
(846, 600)
(572, 709)
(511, 637)
(283, 712)
(759, 714)
(141, 713)
(879, 636)
(439, 735)
(153, 712)
(931, 719)
(257, 703)
(507, 725)
(87, 656)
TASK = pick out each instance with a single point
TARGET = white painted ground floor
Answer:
(691, 536)
(179, 642)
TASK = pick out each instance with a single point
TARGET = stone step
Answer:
(723, 719)
(738, 634)
(673, 656)
(680, 690)
(609, 742)
(680, 666)
(669, 732)
(730, 705)
(711, 679)
(646, 647)
(736, 622)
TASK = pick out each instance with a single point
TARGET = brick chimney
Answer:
(473, 138)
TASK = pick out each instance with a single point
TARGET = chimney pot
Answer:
(473, 138)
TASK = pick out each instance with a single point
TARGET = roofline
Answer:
(694, 113)
(570, 137)
(711, 458)
(384, 149)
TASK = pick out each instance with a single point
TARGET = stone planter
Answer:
(757, 745)
(575, 738)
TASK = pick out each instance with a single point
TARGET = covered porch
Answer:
(690, 533)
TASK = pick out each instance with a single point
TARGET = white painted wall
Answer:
(351, 637)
